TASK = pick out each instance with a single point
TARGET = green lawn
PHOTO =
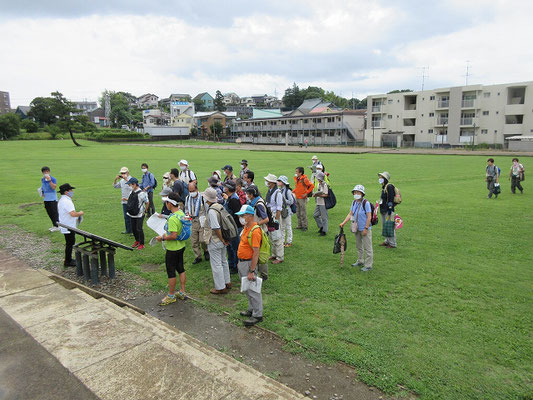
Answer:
(447, 315)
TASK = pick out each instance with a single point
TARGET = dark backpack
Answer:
(270, 223)
(330, 201)
(132, 207)
(155, 181)
(227, 223)
(285, 201)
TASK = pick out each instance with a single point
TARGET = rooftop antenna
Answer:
(424, 75)
(467, 72)
(276, 93)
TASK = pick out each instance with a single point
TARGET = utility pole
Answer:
(424, 76)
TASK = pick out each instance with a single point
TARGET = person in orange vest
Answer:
(302, 189)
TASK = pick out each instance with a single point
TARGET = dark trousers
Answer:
(232, 251)
(127, 220)
(51, 210)
(70, 240)
(151, 207)
(515, 183)
(137, 227)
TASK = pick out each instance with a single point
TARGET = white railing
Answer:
(467, 103)
(467, 121)
(376, 124)
(444, 103)
(442, 121)
(441, 139)
(376, 108)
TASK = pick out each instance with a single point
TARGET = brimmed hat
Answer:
(246, 209)
(230, 185)
(320, 176)
(210, 195)
(184, 162)
(133, 180)
(385, 175)
(227, 167)
(320, 166)
(218, 173)
(271, 178)
(65, 187)
(284, 179)
(314, 158)
(359, 188)
(166, 175)
(212, 180)
(244, 162)
(165, 191)
(165, 199)
(124, 170)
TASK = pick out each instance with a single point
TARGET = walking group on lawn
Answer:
(235, 227)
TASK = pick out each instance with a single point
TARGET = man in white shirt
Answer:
(121, 182)
(195, 208)
(186, 175)
(68, 216)
(136, 208)
(321, 212)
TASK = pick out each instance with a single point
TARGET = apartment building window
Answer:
(485, 113)
(339, 119)
(283, 122)
(389, 116)
(430, 130)
(432, 97)
(331, 119)
(305, 121)
(431, 114)
(484, 131)
(486, 95)
(389, 101)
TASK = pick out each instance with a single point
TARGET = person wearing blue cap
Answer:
(228, 171)
(136, 208)
(248, 255)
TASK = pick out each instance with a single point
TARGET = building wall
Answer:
(5, 103)
(475, 113)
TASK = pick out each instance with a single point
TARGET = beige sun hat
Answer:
(271, 178)
(124, 170)
(210, 195)
(385, 175)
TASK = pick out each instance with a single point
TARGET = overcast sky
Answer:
(258, 47)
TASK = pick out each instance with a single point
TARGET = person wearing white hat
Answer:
(286, 212)
(321, 213)
(360, 215)
(274, 201)
(320, 168)
(216, 244)
(186, 175)
(121, 182)
(316, 163)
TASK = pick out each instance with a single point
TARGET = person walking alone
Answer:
(360, 216)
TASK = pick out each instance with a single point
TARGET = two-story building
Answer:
(206, 100)
(147, 100)
(155, 117)
(451, 117)
(205, 120)
(231, 99)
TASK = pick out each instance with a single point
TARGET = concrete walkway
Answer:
(342, 149)
(116, 352)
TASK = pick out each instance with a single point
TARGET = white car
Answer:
(126, 127)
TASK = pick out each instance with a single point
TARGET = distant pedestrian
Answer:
(68, 216)
(492, 177)
(244, 168)
(147, 185)
(48, 192)
(321, 212)
(274, 202)
(248, 254)
(360, 216)
(516, 175)
(121, 182)
(228, 173)
(286, 212)
(186, 176)
(302, 190)
(174, 250)
(240, 192)
(232, 204)
(386, 208)
(195, 209)
(216, 244)
(136, 208)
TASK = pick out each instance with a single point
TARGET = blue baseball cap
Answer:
(246, 209)
(133, 180)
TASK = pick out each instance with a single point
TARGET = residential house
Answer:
(241, 111)
(22, 111)
(98, 117)
(5, 104)
(205, 120)
(173, 98)
(247, 101)
(231, 99)
(84, 107)
(206, 100)
(452, 116)
(181, 114)
(147, 100)
(155, 117)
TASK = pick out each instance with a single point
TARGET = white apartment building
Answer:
(450, 117)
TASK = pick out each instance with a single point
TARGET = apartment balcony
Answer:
(514, 129)
(468, 103)
(440, 139)
(514, 109)
(443, 104)
(377, 109)
(467, 121)
(409, 113)
(443, 121)
(377, 124)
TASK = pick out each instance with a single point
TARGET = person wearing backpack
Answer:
(148, 184)
(262, 218)
(492, 174)
(186, 175)
(233, 205)
(136, 207)
(516, 174)
(195, 209)
(386, 206)
(288, 209)
(216, 244)
(249, 251)
(321, 212)
(274, 201)
(177, 185)
(303, 188)
(175, 249)
(360, 216)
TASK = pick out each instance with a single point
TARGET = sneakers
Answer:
(246, 313)
(180, 295)
(54, 229)
(357, 264)
(365, 269)
(277, 261)
(168, 300)
(206, 256)
(197, 260)
(322, 233)
(228, 286)
(252, 321)
(71, 263)
(221, 291)
(140, 247)
(135, 244)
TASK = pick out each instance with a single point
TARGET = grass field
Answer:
(447, 315)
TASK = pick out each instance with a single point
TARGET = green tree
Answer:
(120, 113)
(400, 91)
(9, 125)
(219, 101)
(199, 105)
(293, 97)
(29, 126)
(216, 129)
(51, 110)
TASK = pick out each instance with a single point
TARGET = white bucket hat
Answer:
(284, 179)
(184, 162)
(210, 195)
(271, 178)
(314, 158)
(359, 188)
